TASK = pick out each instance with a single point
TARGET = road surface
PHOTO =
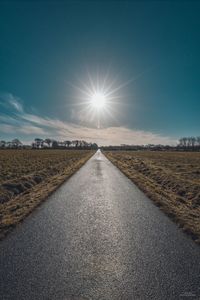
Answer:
(99, 237)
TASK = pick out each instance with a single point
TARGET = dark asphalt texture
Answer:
(99, 237)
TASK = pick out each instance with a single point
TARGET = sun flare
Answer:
(98, 100)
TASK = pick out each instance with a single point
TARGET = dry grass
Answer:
(27, 177)
(171, 179)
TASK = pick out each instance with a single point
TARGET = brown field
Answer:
(27, 177)
(171, 179)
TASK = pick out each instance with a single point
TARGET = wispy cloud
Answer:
(19, 122)
(16, 105)
(9, 100)
(27, 130)
(110, 135)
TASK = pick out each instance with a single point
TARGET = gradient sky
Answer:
(151, 49)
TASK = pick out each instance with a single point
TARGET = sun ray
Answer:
(91, 82)
(99, 98)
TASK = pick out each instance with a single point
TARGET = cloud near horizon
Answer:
(16, 122)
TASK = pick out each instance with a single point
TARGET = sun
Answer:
(98, 100)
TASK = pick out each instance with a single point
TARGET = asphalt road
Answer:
(99, 237)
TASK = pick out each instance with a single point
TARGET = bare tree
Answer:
(2, 144)
(54, 144)
(38, 143)
(181, 144)
(68, 143)
(193, 141)
(184, 141)
(16, 143)
(84, 144)
(48, 142)
(75, 143)
(198, 140)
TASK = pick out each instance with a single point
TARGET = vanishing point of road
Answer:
(98, 237)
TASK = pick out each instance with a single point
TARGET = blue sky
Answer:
(148, 50)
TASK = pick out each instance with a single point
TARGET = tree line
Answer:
(50, 143)
(184, 144)
(189, 142)
(14, 144)
(47, 143)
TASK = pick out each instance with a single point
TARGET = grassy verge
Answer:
(28, 177)
(170, 179)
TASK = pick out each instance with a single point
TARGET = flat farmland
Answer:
(170, 179)
(27, 177)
